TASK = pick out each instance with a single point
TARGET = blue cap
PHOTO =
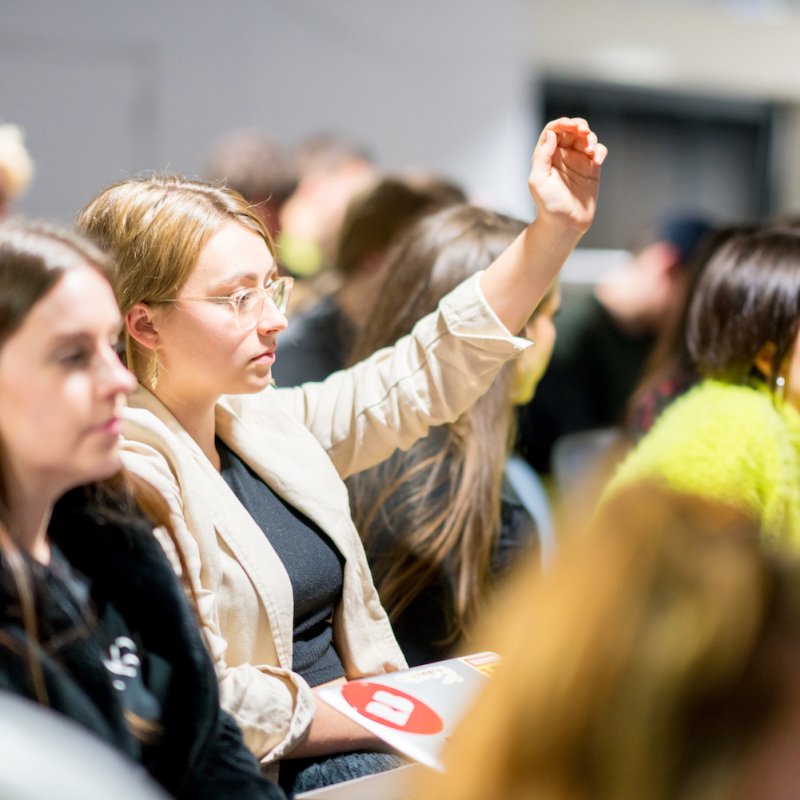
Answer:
(685, 233)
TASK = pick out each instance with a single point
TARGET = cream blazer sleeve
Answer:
(361, 415)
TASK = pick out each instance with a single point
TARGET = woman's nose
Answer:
(270, 319)
(116, 377)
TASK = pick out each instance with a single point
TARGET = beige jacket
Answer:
(303, 442)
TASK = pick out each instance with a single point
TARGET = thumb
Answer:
(542, 159)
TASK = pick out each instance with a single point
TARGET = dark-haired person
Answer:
(605, 338)
(93, 622)
(735, 437)
(253, 474)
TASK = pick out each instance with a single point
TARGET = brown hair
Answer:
(650, 661)
(34, 257)
(441, 498)
(154, 228)
(255, 165)
(377, 215)
(747, 296)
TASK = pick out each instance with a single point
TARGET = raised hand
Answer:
(565, 173)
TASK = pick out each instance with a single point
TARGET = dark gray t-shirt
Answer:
(314, 565)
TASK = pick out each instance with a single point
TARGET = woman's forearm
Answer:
(563, 181)
(332, 732)
(520, 277)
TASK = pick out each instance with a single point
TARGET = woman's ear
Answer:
(765, 360)
(141, 326)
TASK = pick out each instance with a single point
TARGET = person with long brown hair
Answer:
(658, 658)
(439, 522)
(93, 621)
(253, 474)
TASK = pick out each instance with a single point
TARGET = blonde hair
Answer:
(648, 663)
(15, 162)
(155, 227)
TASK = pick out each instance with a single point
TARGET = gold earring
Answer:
(780, 386)
(153, 367)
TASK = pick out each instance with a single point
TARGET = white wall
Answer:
(706, 47)
(106, 88)
(744, 49)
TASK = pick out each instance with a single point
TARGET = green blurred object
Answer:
(302, 257)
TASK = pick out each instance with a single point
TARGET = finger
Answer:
(563, 125)
(546, 146)
(600, 153)
(575, 137)
(586, 144)
(574, 124)
(544, 151)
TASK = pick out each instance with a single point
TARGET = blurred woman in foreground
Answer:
(659, 658)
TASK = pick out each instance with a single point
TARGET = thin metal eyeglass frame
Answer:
(271, 290)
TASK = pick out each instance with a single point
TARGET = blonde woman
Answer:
(254, 477)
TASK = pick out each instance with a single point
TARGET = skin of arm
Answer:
(332, 732)
(564, 179)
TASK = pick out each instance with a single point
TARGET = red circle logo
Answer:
(392, 708)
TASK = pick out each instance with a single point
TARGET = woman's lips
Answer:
(111, 427)
(267, 357)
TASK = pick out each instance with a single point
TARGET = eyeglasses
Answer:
(248, 304)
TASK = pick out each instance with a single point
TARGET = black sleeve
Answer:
(229, 769)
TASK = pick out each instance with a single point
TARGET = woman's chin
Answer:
(98, 470)
(254, 384)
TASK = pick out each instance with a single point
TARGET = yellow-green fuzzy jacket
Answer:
(731, 443)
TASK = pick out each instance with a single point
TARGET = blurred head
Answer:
(331, 172)
(16, 167)
(645, 293)
(373, 221)
(375, 216)
(62, 385)
(659, 658)
(429, 260)
(259, 168)
(743, 319)
(178, 243)
(684, 233)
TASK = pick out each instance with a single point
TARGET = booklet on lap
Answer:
(416, 710)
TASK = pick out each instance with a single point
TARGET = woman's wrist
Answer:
(562, 229)
(547, 243)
